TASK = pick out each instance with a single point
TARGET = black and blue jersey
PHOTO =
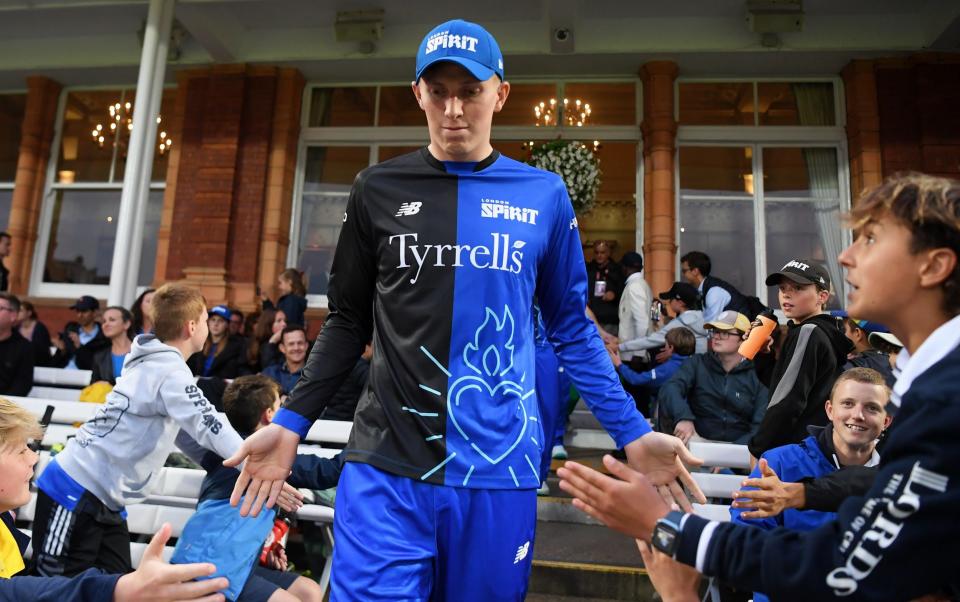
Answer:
(440, 263)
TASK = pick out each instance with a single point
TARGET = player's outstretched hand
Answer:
(661, 458)
(629, 503)
(675, 582)
(156, 580)
(267, 456)
(770, 497)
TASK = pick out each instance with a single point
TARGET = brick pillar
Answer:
(863, 126)
(38, 125)
(230, 182)
(659, 143)
(275, 234)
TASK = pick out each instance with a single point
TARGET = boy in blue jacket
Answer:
(857, 413)
(153, 580)
(249, 403)
(901, 540)
(680, 345)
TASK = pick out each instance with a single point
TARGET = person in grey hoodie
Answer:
(117, 455)
(683, 301)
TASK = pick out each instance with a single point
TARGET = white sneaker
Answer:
(559, 452)
(544, 489)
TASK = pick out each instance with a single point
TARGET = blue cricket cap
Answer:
(220, 310)
(464, 43)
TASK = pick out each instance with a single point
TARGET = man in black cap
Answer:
(682, 301)
(812, 357)
(81, 339)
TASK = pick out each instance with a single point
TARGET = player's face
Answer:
(16, 470)
(857, 413)
(459, 110)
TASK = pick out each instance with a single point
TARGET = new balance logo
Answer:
(574, 224)
(411, 208)
(522, 552)
(502, 209)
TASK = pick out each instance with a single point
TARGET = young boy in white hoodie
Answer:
(116, 456)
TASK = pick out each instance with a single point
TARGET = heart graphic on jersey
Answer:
(474, 407)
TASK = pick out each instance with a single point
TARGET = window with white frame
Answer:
(762, 178)
(12, 107)
(79, 216)
(348, 128)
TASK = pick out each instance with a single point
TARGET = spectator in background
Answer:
(864, 355)
(716, 396)
(343, 405)
(108, 362)
(76, 346)
(682, 301)
(236, 322)
(5, 241)
(222, 355)
(857, 417)
(293, 347)
(36, 333)
(16, 354)
(717, 295)
(679, 346)
(261, 352)
(634, 312)
(812, 358)
(888, 343)
(604, 287)
(293, 296)
(142, 318)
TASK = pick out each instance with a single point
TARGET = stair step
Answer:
(589, 439)
(583, 582)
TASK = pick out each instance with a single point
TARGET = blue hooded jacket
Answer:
(654, 378)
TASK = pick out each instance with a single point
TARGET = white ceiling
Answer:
(90, 42)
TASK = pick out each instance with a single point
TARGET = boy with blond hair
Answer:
(117, 455)
(154, 580)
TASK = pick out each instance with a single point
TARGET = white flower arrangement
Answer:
(576, 164)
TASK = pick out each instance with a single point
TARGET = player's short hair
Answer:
(929, 207)
(292, 328)
(173, 306)
(698, 260)
(12, 300)
(16, 424)
(867, 376)
(245, 399)
(683, 340)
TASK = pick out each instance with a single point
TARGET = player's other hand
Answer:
(267, 456)
(661, 458)
(157, 580)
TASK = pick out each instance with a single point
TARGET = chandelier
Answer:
(121, 117)
(570, 112)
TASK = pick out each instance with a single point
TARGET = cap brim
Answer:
(479, 71)
(775, 278)
(720, 326)
(887, 337)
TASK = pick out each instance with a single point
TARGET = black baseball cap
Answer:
(632, 259)
(684, 292)
(86, 303)
(802, 271)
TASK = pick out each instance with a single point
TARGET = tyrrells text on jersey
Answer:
(498, 256)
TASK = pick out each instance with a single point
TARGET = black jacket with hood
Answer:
(812, 358)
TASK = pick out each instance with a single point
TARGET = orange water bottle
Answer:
(759, 335)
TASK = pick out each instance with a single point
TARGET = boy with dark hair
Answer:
(250, 403)
(901, 539)
(154, 580)
(717, 295)
(812, 357)
(116, 456)
(16, 353)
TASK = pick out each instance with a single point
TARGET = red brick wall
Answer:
(919, 115)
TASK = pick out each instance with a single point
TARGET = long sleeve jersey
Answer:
(898, 542)
(440, 263)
